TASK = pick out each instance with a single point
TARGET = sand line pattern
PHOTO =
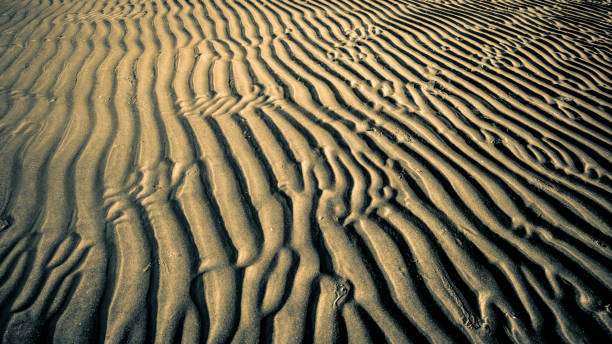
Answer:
(305, 171)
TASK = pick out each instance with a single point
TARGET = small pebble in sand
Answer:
(4, 223)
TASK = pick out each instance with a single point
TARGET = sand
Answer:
(282, 171)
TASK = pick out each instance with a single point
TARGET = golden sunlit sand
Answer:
(190, 171)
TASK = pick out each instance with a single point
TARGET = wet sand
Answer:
(305, 171)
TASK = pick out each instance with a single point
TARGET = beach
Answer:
(276, 171)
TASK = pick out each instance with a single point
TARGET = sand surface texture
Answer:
(295, 171)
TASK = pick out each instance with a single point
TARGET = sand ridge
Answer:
(305, 171)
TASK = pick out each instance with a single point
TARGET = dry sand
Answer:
(295, 171)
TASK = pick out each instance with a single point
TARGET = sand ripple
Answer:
(297, 171)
